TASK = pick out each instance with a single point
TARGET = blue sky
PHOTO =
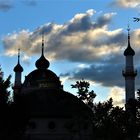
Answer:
(83, 39)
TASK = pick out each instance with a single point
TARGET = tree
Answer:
(83, 92)
(4, 93)
(4, 106)
(109, 121)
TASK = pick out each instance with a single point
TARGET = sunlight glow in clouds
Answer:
(117, 94)
(127, 3)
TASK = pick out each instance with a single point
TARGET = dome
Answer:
(129, 51)
(18, 68)
(42, 63)
(54, 103)
(42, 78)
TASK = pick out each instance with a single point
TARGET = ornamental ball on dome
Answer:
(129, 51)
(42, 63)
(18, 68)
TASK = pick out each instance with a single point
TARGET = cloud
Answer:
(71, 41)
(26, 59)
(6, 5)
(83, 39)
(30, 2)
(105, 74)
(118, 95)
(126, 3)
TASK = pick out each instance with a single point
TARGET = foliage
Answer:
(112, 122)
(108, 121)
(4, 93)
(83, 92)
(4, 106)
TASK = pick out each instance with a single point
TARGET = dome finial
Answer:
(18, 56)
(128, 29)
(43, 43)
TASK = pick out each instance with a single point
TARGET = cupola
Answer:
(42, 62)
(129, 50)
(18, 67)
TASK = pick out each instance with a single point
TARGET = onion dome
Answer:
(42, 62)
(129, 50)
(18, 67)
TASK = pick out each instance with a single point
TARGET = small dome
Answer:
(129, 51)
(42, 63)
(18, 68)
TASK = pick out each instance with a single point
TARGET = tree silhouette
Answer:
(83, 92)
(4, 93)
(109, 121)
(4, 106)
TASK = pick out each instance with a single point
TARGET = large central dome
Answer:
(42, 77)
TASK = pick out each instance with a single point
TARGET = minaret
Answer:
(129, 73)
(18, 73)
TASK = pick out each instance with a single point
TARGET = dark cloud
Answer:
(30, 2)
(82, 24)
(6, 5)
(105, 74)
(103, 20)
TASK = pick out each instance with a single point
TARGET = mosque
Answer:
(55, 114)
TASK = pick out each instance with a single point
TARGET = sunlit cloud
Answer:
(118, 96)
(83, 39)
(127, 3)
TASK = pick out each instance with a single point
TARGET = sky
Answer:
(84, 39)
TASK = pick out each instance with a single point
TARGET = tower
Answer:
(129, 73)
(18, 73)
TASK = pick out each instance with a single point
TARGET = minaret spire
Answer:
(18, 56)
(18, 67)
(18, 75)
(128, 29)
(129, 72)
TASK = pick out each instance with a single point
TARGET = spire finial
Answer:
(42, 43)
(128, 29)
(18, 55)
